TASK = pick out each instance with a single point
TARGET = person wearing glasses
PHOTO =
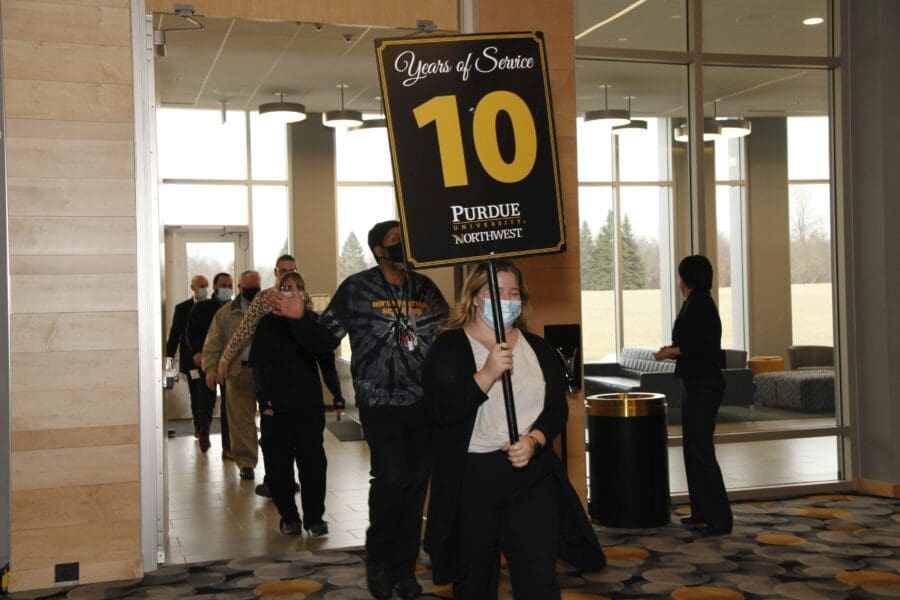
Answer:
(289, 393)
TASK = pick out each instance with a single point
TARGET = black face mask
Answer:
(394, 253)
(249, 293)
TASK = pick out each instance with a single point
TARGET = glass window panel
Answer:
(209, 258)
(195, 144)
(811, 297)
(183, 204)
(594, 153)
(724, 252)
(268, 148)
(767, 27)
(271, 219)
(363, 155)
(645, 156)
(652, 24)
(358, 209)
(808, 148)
(640, 247)
(771, 462)
(729, 159)
(598, 316)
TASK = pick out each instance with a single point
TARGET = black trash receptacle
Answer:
(629, 460)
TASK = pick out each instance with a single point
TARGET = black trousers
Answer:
(513, 510)
(207, 406)
(195, 389)
(399, 439)
(287, 438)
(709, 501)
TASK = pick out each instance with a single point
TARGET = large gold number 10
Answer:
(444, 112)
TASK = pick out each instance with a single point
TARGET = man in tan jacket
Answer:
(241, 402)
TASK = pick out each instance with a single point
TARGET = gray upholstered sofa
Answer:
(638, 371)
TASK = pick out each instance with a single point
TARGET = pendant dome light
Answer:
(633, 127)
(282, 112)
(376, 123)
(607, 117)
(342, 117)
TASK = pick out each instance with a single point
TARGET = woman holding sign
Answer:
(488, 495)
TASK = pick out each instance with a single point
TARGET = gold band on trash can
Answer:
(626, 405)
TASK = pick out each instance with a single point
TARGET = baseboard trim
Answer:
(878, 488)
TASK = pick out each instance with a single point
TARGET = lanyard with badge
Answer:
(404, 324)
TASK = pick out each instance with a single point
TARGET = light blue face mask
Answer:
(509, 309)
(223, 294)
(203, 293)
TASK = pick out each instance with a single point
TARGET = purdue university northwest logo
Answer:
(486, 223)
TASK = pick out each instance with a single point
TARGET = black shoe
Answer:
(714, 531)
(379, 580)
(247, 473)
(318, 530)
(292, 528)
(405, 584)
(262, 489)
(692, 522)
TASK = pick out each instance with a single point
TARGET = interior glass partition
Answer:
(753, 191)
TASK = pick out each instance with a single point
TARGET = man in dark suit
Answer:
(199, 321)
(176, 342)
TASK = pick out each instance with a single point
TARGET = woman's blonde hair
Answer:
(465, 311)
(300, 283)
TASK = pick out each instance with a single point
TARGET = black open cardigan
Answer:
(452, 398)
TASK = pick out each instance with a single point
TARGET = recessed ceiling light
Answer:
(623, 39)
(676, 17)
(813, 21)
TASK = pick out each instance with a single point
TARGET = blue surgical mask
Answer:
(509, 309)
(223, 294)
(203, 293)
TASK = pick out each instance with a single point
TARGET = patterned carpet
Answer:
(818, 547)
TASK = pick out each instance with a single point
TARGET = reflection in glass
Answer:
(758, 464)
(188, 204)
(270, 229)
(767, 27)
(645, 24)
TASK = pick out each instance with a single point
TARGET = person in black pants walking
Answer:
(697, 350)
(176, 342)
(289, 393)
(391, 317)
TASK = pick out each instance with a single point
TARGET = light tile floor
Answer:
(212, 514)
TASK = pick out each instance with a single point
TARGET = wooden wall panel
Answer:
(74, 385)
(554, 281)
(384, 13)
(71, 467)
(80, 23)
(74, 331)
(66, 62)
(68, 101)
(84, 293)
(35, 196)
(52, 409)
(79, 505)
(72, 265)
(90, 369)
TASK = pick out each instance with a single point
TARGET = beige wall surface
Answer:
(384, 13)
(74, 395)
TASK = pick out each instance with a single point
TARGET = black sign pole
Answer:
(500, 332)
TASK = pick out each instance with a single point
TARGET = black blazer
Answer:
(698, 334)
(452, 399)
(198, 323)
(176, 340)
(285, 374)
